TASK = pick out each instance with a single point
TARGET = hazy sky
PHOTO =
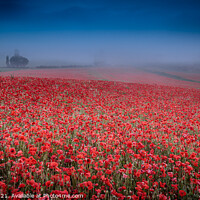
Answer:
(115, 31)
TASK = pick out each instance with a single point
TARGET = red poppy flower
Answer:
(22, 185)
(48, 183)
(12, 150)
(182, 193)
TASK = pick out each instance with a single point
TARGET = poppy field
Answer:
(98, 139)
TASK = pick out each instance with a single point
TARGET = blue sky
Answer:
(79, 31)
(142, 15)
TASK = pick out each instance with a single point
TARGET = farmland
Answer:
(123, 74)
(136, 136)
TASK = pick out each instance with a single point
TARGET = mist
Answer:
(111, 48)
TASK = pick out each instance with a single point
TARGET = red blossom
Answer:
(182, 193)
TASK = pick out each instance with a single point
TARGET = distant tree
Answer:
(7, 61)
(18, 61)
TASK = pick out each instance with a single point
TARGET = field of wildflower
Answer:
(98, 139)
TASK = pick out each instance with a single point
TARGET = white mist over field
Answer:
(110, 48)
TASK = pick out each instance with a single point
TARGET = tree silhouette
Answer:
(7, 61)
(18, 61)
